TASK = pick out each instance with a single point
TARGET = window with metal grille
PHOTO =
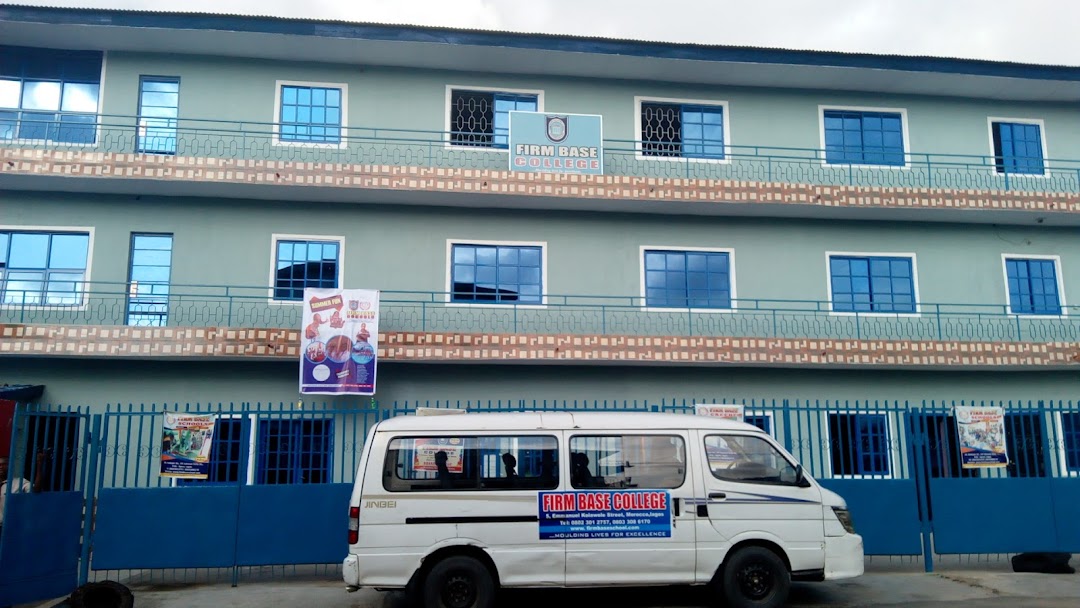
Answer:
(48, 94)
(761, 421)
(482, 118)
(311, 114)
(682, 130)
(1017, 148)
(688, 279)
(501, 274)
(226, 453)
(159, 109)
(1033, 286)
(148, 293)
(859, 444)
(864, 138)
(301, 264)
(1070, 438)
(872, 284)
(43, 267)
(294, 451)
(426, 464)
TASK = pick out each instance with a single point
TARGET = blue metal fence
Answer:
(105, 303)
(420, 148)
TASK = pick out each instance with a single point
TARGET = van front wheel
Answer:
(756, 578)
(459, 582)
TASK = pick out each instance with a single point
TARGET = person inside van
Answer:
(548, 472)
(510, 464)
(580, 476)
(443, 471)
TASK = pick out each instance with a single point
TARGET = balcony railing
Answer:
(417, 148)
(115, 304)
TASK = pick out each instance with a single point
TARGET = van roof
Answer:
(529, 420)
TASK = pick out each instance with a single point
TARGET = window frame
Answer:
(448, 107)
(707, 433)
(248, 477)
(448, 296)
(140, 129)
(275, 237)
(553, 435)
(905, 140)
(768, 415)
(1056, 259)
(276, 119)
(19, 141)
(1039, 122)
(890, 432)
(730, 251)
(720, 103)
(567, 464)
(914, 280)
(89, 230)
(1063, 453)
(131, 282)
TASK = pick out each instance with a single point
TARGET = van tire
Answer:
(459, 582)
(755, 577)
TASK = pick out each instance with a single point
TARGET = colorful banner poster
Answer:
(726, 411)
(426, 454)
(605, 514)
(556, 143)
(185, 445)
(339, 341)
(981, 432)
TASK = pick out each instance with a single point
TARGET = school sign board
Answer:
(542, 142)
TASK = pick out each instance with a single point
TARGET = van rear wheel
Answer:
(756, 578)
(459, 582)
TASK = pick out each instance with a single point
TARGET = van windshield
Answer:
(464, 463)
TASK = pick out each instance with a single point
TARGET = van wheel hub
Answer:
(459, 592)
(756, 582)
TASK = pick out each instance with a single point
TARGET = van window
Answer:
(627, 461)
(470, 463)
(747, 459)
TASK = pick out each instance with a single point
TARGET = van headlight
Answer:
(844, 516)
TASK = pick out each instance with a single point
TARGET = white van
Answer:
(451, 508)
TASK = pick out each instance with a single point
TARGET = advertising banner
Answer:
(726, 411)
(426, 458)
(981, 434)
(185, 445)
(556, 143)
(339, 341)
(605, 514)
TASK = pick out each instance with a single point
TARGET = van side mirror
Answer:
(800, 477)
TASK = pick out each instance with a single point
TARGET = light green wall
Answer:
(243, 90)
(228, 242)
(99, 382)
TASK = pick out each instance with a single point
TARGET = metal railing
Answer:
(105, 303)
(259, 141)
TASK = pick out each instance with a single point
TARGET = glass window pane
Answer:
(24, 287)
(464, 255)
(80, 97)
(640, 461)
(4, 239)
(69, 251)
(38, 95)
(10, 92)
(29, 250)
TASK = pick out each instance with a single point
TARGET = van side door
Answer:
(625, 518)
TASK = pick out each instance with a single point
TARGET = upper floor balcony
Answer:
(121, 319)
(126, 154)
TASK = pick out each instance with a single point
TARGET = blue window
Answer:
(872, 284)
(678, 130)
(151, 267)
(301, 264)
(1018, 148)
(761, 421)
(482, 118)
(43, 267)
(859, 444)
(497, 273)
(159, 108)
(294, 451)
(48, 94)
(1033, 286)
(226, 452)
(311, 114)
(864, 138)
(687, 279)
(1070, 437)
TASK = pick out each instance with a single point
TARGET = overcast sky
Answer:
(1035, 31)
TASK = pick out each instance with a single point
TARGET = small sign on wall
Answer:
(542, 142)
(981, 434)
(727, 411)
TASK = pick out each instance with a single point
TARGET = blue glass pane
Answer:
(69, 251)
(41, 95)
(77, 129)
(10, 93)
(79, 97)
(464, 255)
(29, 250)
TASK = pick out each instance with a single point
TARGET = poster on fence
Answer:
(186, 440)
(727, 411)
(339, 341)
(981, 434)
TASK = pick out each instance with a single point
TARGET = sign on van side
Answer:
(608, 514)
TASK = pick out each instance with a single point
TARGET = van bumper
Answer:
(843, 556)
(350, 571)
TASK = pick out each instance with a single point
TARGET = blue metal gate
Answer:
(40, 545)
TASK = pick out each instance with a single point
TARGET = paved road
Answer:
(972, 589)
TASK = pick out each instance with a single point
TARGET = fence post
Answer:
(92, 442)
(423, 316)
(788, 444)
(22, 309)
(1019, 329)
(937, 315)
(929, 173)
(915, 424)
(603, 319)
(775, 332)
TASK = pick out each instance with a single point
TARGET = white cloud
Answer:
(1036, 31)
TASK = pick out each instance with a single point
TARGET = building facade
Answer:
(769, 224)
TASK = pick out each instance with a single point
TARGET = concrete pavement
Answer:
(973, 589)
